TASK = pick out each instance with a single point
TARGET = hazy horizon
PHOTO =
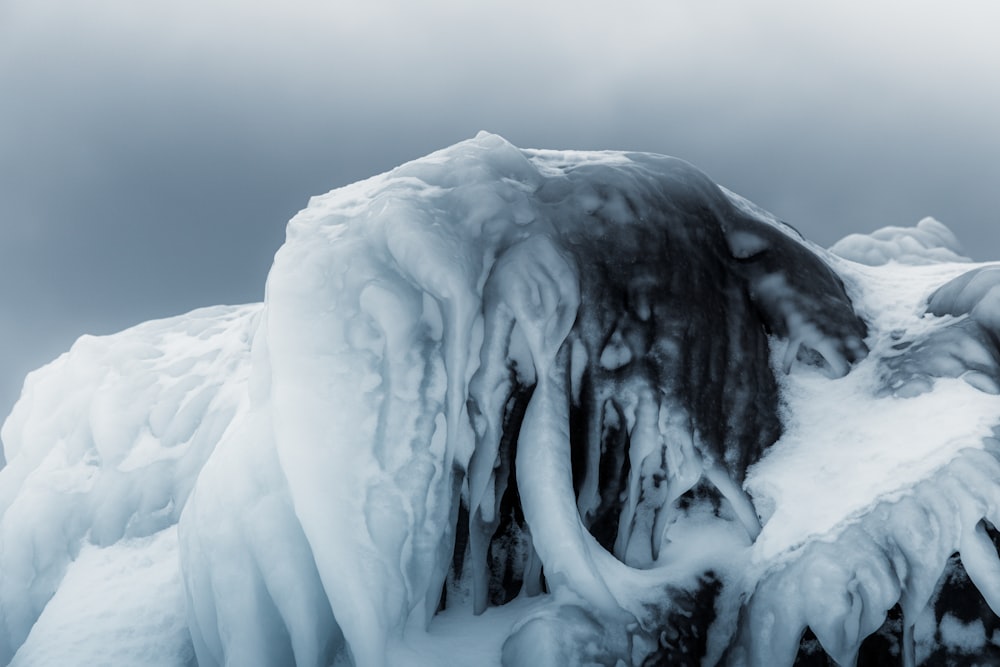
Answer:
(150, 155)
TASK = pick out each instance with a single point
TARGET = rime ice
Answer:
(506, 407)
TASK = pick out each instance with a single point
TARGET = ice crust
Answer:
(512, 407)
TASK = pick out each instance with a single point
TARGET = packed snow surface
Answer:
(105, 445)
(522, 407)
(118, 605)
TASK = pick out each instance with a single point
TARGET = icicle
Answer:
(439, 569)
(596, 410)
(684, 468)
(667, 512)
(489, 391)
(916, 532)
(540, 287)
(832, 609)
(545, 480)
(791, 353)
(737, 497)
(770, 627)
(644, 441)
(979, 557)
(479, 543)
(460, 313)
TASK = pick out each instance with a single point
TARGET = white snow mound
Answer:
(927, 242)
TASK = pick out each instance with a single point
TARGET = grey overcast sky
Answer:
(152, 152)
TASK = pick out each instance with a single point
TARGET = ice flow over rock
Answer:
(523, 407)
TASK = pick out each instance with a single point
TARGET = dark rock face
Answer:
(678, 296)
(682, 640)
(671, 388)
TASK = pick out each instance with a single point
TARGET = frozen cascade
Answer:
(510, 407)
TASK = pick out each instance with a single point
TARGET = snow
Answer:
(825, 469)
(103, 615)
(105, 445)
(505, 407)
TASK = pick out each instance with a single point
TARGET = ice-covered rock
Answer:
(927, 242)
(506, 406)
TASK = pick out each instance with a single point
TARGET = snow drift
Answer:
(521, 407)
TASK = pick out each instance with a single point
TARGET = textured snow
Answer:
(376, 466)
(105, 444)
(117, 606)
(847, 444)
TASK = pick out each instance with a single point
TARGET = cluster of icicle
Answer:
(896, 554)
(496, 374)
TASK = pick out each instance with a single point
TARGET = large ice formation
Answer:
(523, 407)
